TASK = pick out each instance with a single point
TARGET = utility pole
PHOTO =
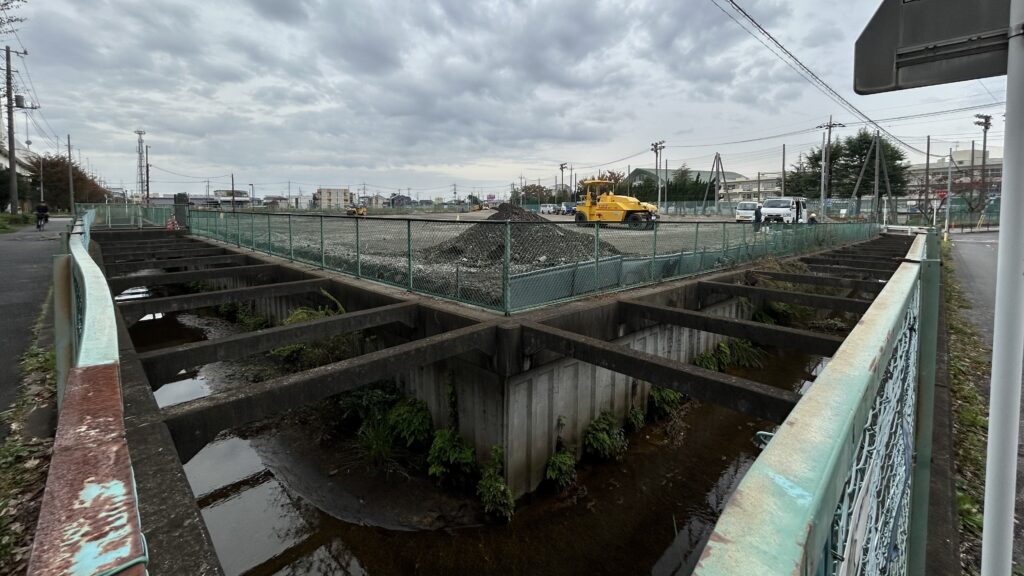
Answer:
(71, 179)
(826, 163)
(41, 196)
(927, 174)
(561, 168)
(783, 175)
(147, 174)
(140, 176)
(985, 121)
(12, 166)
(949, 193)
(657, 147)
(874, 206)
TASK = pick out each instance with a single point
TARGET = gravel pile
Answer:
(543, 244)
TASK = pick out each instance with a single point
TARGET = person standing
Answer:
(757, 218)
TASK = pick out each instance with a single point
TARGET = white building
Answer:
(333, 198)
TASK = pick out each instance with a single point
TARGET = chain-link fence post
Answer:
(323, 249)
(506, 295)
(252, 230)
(270, 239)
(359, 260)
(291, 248)
(408, 251)
(108, 216)
(696, 237)
(654, 251)
(597, 256)
(238, 231)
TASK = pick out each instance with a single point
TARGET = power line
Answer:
(813, 78)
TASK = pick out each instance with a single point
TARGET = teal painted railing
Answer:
(832, 492)
(89, 521)
(546, 262)
(120, 215)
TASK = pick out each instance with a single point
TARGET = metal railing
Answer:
(833, 492)
(120, 216)
(513, 266)
(89, 520)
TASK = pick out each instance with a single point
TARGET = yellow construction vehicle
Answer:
(599, 204)
(356, 211)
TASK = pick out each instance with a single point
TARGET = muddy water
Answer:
(278, 503)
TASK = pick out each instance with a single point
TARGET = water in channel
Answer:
(278, 503)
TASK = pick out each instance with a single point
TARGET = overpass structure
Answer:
(839, 485)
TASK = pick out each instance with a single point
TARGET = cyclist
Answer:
(42, 215)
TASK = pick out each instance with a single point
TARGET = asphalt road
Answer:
(974, 256)
(27, 259)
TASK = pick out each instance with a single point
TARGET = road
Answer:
(974, 256)
(27, 256)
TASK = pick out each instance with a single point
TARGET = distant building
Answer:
(961, 174)
(400, 201)
(231, 198)
(333, 198)
(375, 201)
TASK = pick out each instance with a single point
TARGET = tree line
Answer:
(55, 189)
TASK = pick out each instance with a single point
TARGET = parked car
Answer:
(567, 208)
(786, 210)
(548, 209)
(745, 210)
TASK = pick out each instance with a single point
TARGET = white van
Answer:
(745, 210)
(787, 210)
(548, 209)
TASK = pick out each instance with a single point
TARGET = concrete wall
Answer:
(578, 392)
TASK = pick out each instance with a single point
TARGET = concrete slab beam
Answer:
(836, 303)
(746, 396)
(119, 284)
(872, 286)
(840, 261)
(764, 334)
(162, 365)
(134, 309)
(120, 268)
(836, 269)
(193, 424)
(162, 254)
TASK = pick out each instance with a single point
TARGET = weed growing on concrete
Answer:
(411, 422)
(635, 418)
(451, 459)
(306, 356)
(368, 402)
(662, 401)
(604, 438)
(731, 353)
(492, 488)
(561, 468)
(375, 440)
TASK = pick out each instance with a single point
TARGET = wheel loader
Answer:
(599, 204)
(356, 211)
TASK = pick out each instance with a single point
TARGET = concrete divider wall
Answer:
(578, 392)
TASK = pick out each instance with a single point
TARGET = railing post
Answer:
(597, 256)
(927, 342)
(408, 251)
(323, 251)
(270, 242)
(359, 264)
(252, 230)
(654, 251)
(506, 296)
(238, 231)
(109, 225)
(291, 247)
(696, 237)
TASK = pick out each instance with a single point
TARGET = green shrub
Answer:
(664, 401)
(635, 418)
(492, 489)
(763, 317)
(562, 468)
(745, 355)
(604, 437)
(451, 459)
(375, 440)
(311, 355)
(411, 422)
(707, 361)
(369, 402)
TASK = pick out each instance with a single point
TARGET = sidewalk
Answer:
(27, 259)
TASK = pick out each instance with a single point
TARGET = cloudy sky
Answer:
(424, 94)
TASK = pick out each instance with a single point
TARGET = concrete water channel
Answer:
(230, 480)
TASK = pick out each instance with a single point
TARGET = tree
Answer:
(846, 158)
(535, 193)
(55, 183)
(472, 199)
(7, 17)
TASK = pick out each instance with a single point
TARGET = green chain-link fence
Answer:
(513, 266)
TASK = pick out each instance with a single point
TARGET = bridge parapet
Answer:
(834, 490)
(89, 522)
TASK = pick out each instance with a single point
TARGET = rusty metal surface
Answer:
(89, 522)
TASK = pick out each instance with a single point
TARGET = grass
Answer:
(969, 366)
(24, 461)
(11, 222)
